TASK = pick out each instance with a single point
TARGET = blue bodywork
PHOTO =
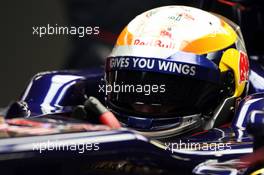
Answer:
(57, 92)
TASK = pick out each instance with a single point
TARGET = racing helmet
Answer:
(176, 69)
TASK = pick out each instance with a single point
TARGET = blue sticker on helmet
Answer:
(199, 68)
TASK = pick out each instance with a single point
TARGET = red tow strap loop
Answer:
(110, 120)
(105, 116)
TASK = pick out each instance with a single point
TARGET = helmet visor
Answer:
(150, 94)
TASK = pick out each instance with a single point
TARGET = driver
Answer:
(176, 69)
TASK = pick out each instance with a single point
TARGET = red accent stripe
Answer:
(233, 4)
(226, 125)
(198, 133)
(227, 2)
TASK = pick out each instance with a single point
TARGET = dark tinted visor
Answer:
(152, 94)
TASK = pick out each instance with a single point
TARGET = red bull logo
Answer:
(243, 67)
(156, 43)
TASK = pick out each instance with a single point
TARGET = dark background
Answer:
(23, 54)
